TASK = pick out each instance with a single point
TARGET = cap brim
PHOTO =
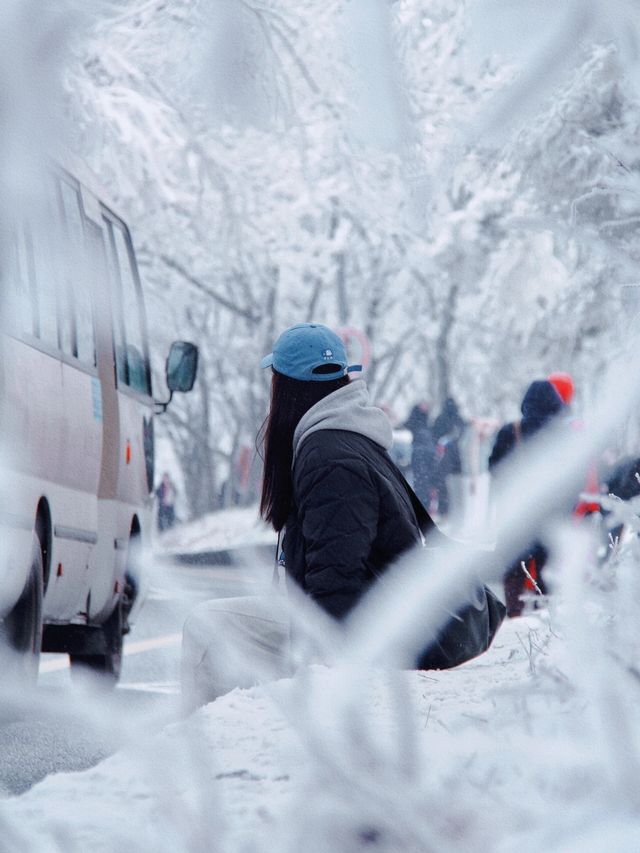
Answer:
(267, 361)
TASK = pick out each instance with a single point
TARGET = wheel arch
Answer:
(44, 532)
(135, 529)
(133, 574)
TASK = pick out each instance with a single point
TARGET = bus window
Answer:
(45, 285)
(77, 273)
(59, 267)
(17, 307)
(131, 350)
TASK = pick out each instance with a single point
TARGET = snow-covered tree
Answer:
(263, 190)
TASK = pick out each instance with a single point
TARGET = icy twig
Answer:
(531, 578)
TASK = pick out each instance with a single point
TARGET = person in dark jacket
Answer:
(541, 405)
(423, 452)
(447, 431)
(449, 421)
(346, 511)
(328, 478)
(563, 383)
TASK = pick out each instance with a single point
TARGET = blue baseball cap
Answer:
(307, 352)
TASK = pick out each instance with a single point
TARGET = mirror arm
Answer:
(161, 407)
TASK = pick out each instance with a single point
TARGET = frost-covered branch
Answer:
(208, 291)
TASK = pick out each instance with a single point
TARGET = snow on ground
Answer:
(497, 755)
(223, 530)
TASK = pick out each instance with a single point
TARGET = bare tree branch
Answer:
(217, 297)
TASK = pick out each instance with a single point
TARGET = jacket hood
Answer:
(347, 408)
(418, 418)
(450, 408)
(540, 403)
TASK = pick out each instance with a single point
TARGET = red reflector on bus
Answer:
(59, 570)
(127, 453)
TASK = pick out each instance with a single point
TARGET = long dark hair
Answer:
(290, 400)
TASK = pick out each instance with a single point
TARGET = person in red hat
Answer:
(541, 407)
(563, 383)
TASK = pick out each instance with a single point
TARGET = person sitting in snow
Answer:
(346, 510)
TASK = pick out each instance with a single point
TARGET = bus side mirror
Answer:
(182, 366)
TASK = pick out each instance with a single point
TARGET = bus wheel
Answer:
(21, 628)
(105, 667)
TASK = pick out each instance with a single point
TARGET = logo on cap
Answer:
(327, 354)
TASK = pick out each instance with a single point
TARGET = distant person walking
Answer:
(449, 421)
(541, 404)
(423, 453)
(447, 431)
(166, 496)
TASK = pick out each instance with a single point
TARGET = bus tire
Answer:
(21, 628)
(104, 667)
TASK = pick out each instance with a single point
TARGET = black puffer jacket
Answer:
(353, 516)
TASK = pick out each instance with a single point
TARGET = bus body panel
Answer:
(133, 472)
(41, 439)
(82, 430)
(115, 522)
(107, 564)
(66, 596)
(33, 425)
(73, 538)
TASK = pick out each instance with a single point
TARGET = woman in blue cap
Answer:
(346, 510)
(328, 478)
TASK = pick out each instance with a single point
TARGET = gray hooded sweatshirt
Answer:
(348, 409)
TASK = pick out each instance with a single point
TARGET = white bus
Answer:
(76, 429)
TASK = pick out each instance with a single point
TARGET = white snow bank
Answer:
(224, 530)
(497, 755)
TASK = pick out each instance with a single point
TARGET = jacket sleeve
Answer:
(338, 507)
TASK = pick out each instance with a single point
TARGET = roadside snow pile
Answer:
(506, 752)
(224, 530)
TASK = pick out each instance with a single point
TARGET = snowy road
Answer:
(41, 741)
